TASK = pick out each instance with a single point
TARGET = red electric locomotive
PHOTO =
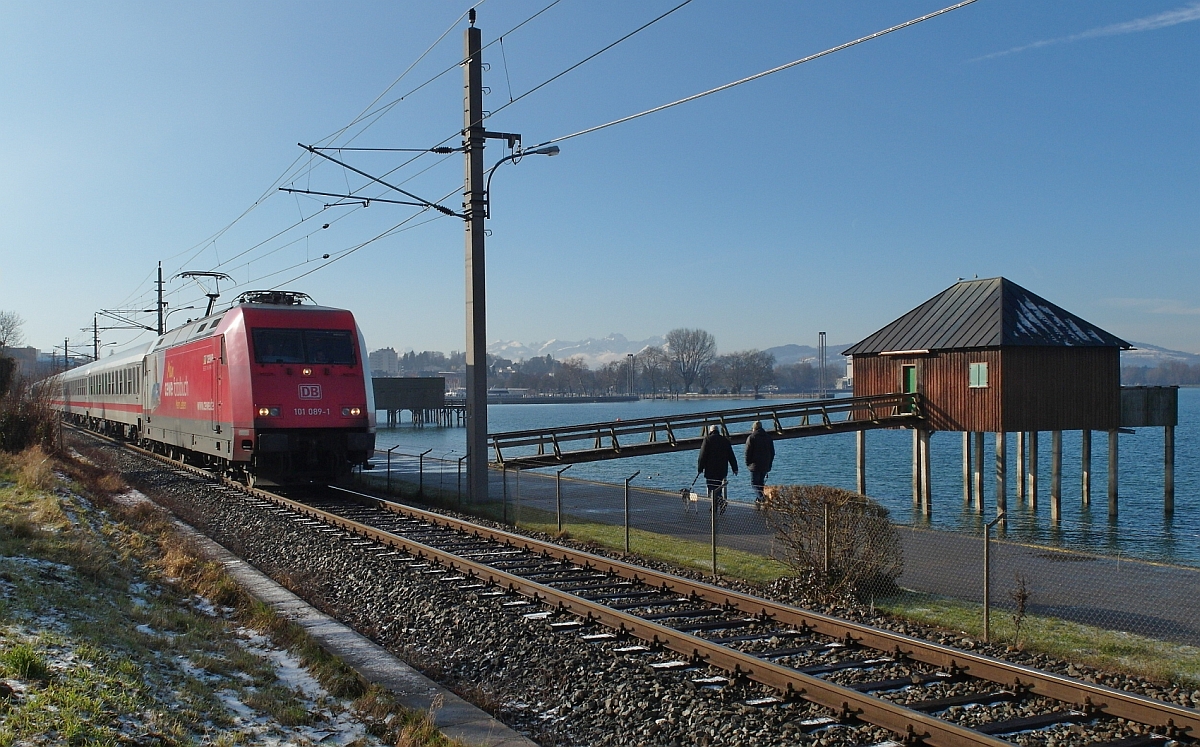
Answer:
(271, 388)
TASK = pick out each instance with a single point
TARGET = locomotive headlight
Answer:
(356, 411)
(350, 412)
(268, 412)
(306, 371)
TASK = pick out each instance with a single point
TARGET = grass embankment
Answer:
(114, 630)
(1074, 642)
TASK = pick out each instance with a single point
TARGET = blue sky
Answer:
(1052, 143)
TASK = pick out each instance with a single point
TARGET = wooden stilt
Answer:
(1022, 472)
(1168, 469)
(966, 468)
(1056, 476)
(860, 441)
(1112, 473)
(1031, 489)
(1085, 454)
(1001, 474)
(978, 472)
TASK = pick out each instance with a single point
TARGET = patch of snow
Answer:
(131, 497)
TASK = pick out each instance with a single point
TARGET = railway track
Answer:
(922, 692)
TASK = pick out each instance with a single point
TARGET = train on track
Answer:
(273, 389)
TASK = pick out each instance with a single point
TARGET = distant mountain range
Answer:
(595, 352)
(1152, 356)
(598, 351)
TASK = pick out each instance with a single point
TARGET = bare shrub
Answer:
(812, 521)
(1020, 595)
(26, 419)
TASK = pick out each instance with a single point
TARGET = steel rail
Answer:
(847, 703)
(1168, 718)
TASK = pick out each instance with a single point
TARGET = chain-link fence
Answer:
(1036, 588)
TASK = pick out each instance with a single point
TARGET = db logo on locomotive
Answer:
(310, 391)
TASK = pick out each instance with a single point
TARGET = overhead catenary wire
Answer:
(756, 76)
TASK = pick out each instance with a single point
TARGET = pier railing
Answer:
(591, 442)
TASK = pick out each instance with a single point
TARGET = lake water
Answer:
(1141, 529)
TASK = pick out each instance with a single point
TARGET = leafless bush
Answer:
(1020, 596)
(26, 419)
(844, 542)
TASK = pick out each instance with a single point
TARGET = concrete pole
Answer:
(1112, 473)
(1001, 475)
(966, 468)
(161, 305)
(1031, 490)
(926, 473)
(1085, 454)
(916, 459)
(1022, 472)
(476, 351)
(860, 441)
(1168, 469)
(1056, 476)
(978, 477)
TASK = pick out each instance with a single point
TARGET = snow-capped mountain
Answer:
(1152, 356)
(595, 352)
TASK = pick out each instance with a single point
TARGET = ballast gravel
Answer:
(552, 686)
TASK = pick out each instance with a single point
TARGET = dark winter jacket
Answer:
(760, 451)
(716, 457)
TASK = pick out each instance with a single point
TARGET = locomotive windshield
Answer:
(320, 346)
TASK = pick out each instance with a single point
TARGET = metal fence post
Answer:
(627, 481)
(558, 494)
(504, 502)
(460, 461)
(517, 507)
(987, 581)
(421, 472)
(715, 499)
(389, 467)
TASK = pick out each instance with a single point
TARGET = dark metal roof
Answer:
(995, 312)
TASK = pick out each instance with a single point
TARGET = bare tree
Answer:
(10, 329)
(760, 369)
(654, 363)
(574, 373)
(691, 351)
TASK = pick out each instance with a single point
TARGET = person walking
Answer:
(716, 457)
(760, 455)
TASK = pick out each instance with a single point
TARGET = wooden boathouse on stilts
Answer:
(990, 356)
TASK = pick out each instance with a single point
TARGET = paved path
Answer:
(1160, 601)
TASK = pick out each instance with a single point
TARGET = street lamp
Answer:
(514, 157)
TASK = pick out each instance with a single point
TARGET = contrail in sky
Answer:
(1190, 12)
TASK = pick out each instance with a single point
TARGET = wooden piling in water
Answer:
(1022, 471)
(1001, 474)
(1031, 489)
(1112, 473)
(926, 475)
(1168, 469)
(978, 477)
(966, 468)
(860, 462)
(916, 465)
(1085, 454)
(1055, 476)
